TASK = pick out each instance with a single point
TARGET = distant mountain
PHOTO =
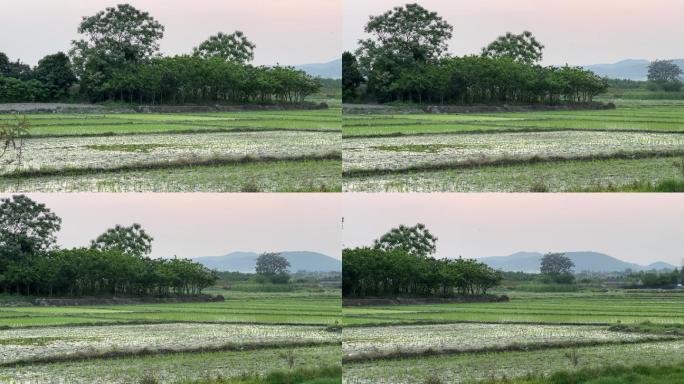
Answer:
(584, 261)
(626, 69)
(329, 70)
(246, 261)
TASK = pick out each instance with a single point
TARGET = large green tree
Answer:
(664, 70)
(234, 47)
(351, 76)
(131, 240)
(114, 39)
(522, 47)
(271, 263)
(26, 227)
(400, 38)
(55, 72)
(416, 240)
(556, 264)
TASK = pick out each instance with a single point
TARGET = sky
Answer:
(198, 224)
(578, 32)
(288, 32)
(638, 228)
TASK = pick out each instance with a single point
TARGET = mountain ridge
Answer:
(245, 261)
(632, 69)
(329, 70)
(584, 261)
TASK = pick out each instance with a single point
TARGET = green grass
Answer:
(278, 176)
(630, 175)
(528, 307)
(617, 374)
(242, 307)
(485, 367)
(179, 367)
(324, 375)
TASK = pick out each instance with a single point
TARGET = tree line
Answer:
(399, 264)
(118, 60)
(115, 263)
(405, 60)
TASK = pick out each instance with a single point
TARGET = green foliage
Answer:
(131, 240)
(115, 40)
(14, 90)
(55, 72)
(557, 266)
(404, 61)
(234, 47)
(193, 79)
(114, 265)
(26, 227)
(351, 77)
(523, 48)
(416, 240)
(378, 272)
(664, 71)
(273, 267)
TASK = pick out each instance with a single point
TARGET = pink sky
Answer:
(201, 224)
(640, 228)
(579, 32)
(284, 31)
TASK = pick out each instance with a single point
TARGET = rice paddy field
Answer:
(184, 152)
(638, 142)
(170, 343)
(534, 334)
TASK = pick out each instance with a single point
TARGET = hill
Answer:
(626, 69)
(246, 261)
(584, 261)
(329, 70)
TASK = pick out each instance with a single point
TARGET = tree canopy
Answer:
(400, 264)
(664, 70)
(233, 47)
(30, 263)
(556, 264)
(131, 240)
(416, 240)
(404, 60)
(522, 48)
(272, 263)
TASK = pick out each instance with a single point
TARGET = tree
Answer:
(272, 263)
(556, 264)
(55, 72)
(664, 70)
(400, 38)
(523, 47)
(351, 76)
(115, 38)
(131, 240)
(234, 47)
(4, 65)
(26, 227)
(416, 240)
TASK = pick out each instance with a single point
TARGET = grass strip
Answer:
(508, 161)
(514, 347)
(180, 163)
(114, 354)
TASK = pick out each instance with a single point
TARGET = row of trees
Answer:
(116, 263)
(192, 79)
(400, 263)
(405, 59)
(49, 80)
(118, 59)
